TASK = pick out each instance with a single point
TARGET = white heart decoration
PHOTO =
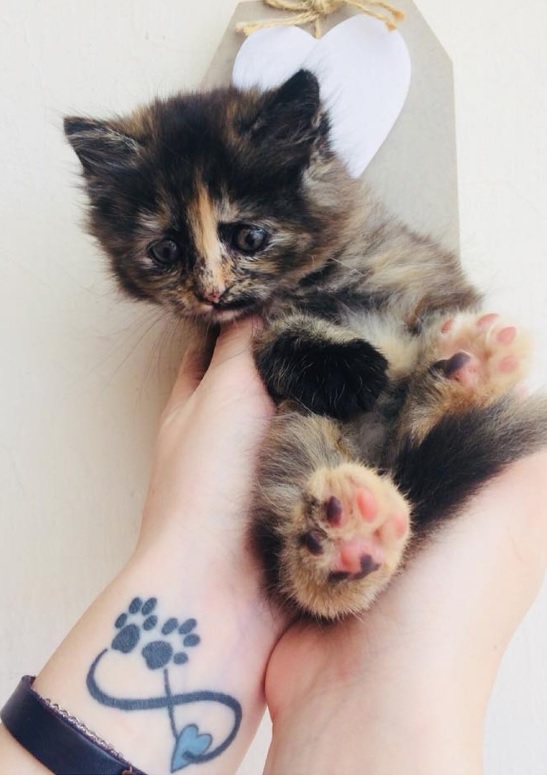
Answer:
(363, 71)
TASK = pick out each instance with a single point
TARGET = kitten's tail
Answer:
(465, 450)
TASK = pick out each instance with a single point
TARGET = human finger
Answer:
(235, 340)
(194, 364)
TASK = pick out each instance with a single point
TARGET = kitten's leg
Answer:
(321, 366)
(464, 450)
(471, 361)
(332, 531)
(464, 419)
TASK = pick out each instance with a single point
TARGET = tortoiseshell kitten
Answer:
(396, 394)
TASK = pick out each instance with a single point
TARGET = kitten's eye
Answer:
(164, 252)
(249, 239)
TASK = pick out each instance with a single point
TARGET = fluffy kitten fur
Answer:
(396, 395)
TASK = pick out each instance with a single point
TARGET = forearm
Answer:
(374, 725)
(167, 666)
(116, 675)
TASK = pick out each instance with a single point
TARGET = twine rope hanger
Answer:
(313, 11)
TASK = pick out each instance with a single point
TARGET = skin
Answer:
(411, 680)
(192, 555)
(416, 670)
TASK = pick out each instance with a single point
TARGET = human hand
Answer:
(207, 446)
(192, 565)
(405, 688)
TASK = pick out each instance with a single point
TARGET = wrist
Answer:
(333, 734)
(169, 624)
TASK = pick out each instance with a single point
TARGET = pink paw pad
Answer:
(507, 335)
(356, 559)
(488, 320)
(366, 504)
(447, 326)
(352, 535)
(480, 351)
(509, 364)
(358, 534)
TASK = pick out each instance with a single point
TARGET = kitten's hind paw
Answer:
(353, 529)
(483, 353)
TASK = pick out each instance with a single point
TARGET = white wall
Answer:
(85, 373)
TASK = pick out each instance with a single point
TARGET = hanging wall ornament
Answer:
(399, 129)
(363, 70)
(314, 11)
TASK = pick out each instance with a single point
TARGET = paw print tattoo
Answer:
(164, 647)
(129, 624)
(160, 652)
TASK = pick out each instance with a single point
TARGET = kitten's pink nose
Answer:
(212, 294)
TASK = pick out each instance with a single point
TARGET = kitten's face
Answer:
(211, 204)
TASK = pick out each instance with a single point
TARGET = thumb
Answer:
(194, 364)
(236, 340)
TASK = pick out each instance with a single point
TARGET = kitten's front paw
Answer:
(483, 353)
(353, 526)
(338, 379)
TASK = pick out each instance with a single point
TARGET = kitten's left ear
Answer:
(99, 145)
(292, 112)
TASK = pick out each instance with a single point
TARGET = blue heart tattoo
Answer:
(190, 746)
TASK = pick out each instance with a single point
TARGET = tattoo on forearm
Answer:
(165, 649)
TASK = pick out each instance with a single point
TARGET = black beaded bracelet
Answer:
(61, 742)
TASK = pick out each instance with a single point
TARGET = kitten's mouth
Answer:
(225, 311)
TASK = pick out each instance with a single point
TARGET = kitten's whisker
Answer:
(132, 350)
(161, 353)
(121, 343)
(352, 269)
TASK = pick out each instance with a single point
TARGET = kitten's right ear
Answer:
(99, 145)
(291, 112)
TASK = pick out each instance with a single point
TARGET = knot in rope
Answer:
(313, 11)
(323, 7)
